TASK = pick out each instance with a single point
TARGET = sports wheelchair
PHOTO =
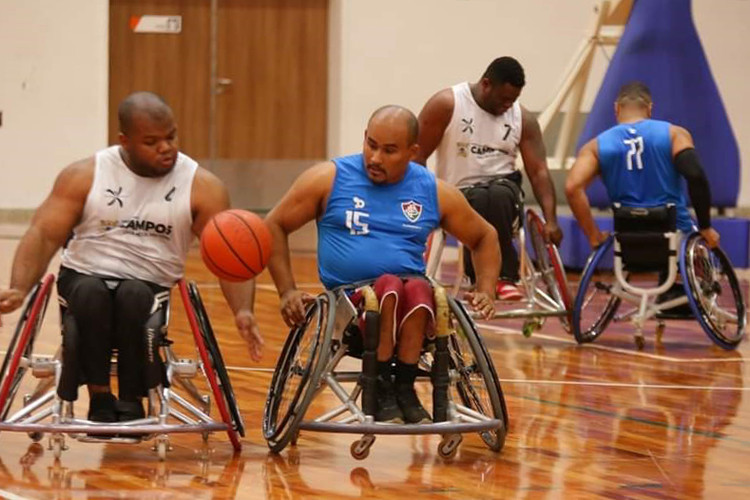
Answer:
(466, 392)
(543, 279)
(645, 242)
(44, 411)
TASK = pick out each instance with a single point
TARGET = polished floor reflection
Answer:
(597, 421)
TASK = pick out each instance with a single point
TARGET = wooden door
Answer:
(176, 66)
(272, 74)
(274, 53)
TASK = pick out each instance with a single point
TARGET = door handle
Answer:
(222, 84)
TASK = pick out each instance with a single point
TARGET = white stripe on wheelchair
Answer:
(499, 330)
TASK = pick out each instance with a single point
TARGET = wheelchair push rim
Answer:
(22, 342)
(286, 403)
(212, 365)
(550, 266)
(482, 365)
(713, 291)
(586, 298)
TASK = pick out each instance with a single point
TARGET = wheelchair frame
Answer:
(313, 357)
(43, 410)
(701, 293)
(545, 284)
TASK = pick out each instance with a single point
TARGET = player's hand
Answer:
(10, 300)
(711, 236)
(598, 238)
(249, 331)
(553, 233)
(481, 302)
(293, 306)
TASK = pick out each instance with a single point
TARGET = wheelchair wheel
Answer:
(550, 265)
(595, 306)
(298, 371)
(22, 343)
(477, 386)
(214, 367)
(713, 291)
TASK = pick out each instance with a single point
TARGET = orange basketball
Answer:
(236, 245)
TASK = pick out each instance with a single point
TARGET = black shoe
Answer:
(388, 408)
(414, 412)
(102, 407)
(130, 410)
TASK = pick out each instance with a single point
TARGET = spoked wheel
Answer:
(713, 291)
(22, 343)
(214, 367)
(595, 305)
(550, 266)
(298, 372)
(477, 387)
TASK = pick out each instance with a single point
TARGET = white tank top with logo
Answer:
(134, 227)
(477, 146)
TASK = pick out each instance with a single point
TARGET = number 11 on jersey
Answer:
(636, 150)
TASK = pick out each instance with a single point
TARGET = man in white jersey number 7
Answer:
(128, 215)
(478, 130)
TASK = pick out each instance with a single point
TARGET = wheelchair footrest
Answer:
(405, 429)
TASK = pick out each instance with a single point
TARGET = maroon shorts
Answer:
(411, 294)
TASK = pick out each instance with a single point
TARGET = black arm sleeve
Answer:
(689, 166)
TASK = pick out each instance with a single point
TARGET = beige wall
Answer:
(402, 51)
(53, 91)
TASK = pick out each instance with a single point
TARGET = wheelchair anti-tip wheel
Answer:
(713, 291)
(213, 363)
(595, 305)
(298, 372)
(477, 385)
(550, 266)
(22, 343)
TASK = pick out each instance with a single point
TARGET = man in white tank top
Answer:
(128, 215)
(478, 130)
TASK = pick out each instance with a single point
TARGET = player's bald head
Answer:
(396, 116)
(148, 104)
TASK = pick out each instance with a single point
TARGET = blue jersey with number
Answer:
(635, 160)
(372, 229)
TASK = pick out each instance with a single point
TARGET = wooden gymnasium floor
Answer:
(597, 421)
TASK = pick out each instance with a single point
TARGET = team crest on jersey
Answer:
(412, 210)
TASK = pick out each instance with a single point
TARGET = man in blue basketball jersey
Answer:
(640, 161)
(374, 212)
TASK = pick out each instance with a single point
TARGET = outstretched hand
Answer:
(293, 306)
(482, 303)
(248, 329)
(10, 300)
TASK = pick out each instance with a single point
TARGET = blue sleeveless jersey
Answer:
(635, 160)
(371, 229)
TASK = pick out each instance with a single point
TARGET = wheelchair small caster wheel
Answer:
(57, 445)
(36, 436)
(530, 326)
(640, 342)
(360, 449)
(660, 327)
(448, 446)
(162, 447)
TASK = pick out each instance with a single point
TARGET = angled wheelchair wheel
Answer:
(550, 265)
(298, 371)
(595, 305)
(477, 386)
(22, 343)
(713, 291)
(214, 367)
